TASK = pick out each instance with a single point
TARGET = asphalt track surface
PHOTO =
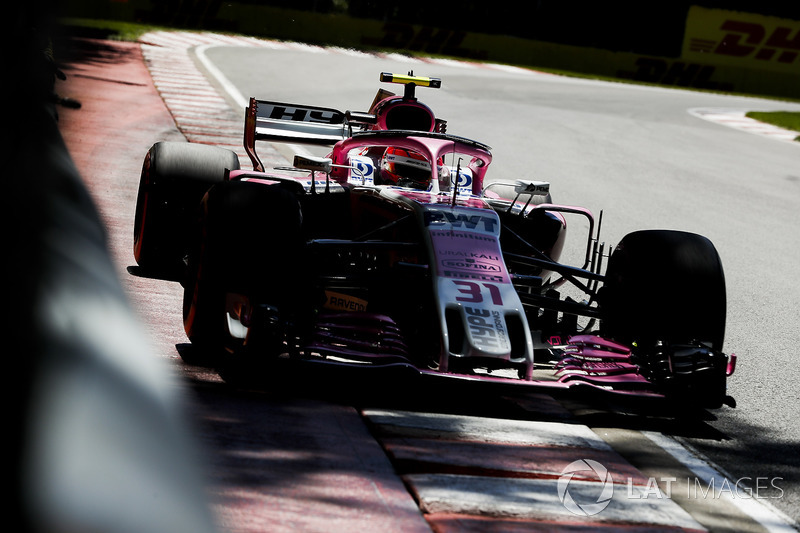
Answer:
(637, 153)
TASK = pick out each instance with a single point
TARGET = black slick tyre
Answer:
(247, 245)
(665, 293)
(174, 178)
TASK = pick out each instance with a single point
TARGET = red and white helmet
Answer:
(405, 168)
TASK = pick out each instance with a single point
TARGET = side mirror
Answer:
(357, 117)
(534, 188)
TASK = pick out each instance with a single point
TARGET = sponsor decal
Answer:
(275, 111)
(465, 236)
(468, 264)
(487, 329)
(461, 180)
(716, 38)
(467, 255)
(741, 39)
(466, 245)
(362, 171)
(477, 266)
(555, 340)
(471, 264)
(466, 220)
(337, 301)
(472, 275)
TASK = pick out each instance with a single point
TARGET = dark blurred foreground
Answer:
(98, 433)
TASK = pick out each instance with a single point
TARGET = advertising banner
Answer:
(742, 40)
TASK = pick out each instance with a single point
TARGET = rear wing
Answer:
(305, 124)
(293, 123)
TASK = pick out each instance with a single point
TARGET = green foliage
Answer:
(110, 29)
(789, 120)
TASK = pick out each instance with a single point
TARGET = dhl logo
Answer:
(741, 40)
(751, 39)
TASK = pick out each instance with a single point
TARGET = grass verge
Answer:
(108, 29)
(789, 120)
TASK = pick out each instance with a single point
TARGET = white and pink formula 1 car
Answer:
(395, 252)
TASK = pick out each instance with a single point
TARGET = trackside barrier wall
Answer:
(722, 50)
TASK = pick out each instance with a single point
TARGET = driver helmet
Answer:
(405, 168)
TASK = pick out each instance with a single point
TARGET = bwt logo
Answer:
(745, 39)
(461, 220)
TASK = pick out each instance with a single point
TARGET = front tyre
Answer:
(246, 252)
(665, 295)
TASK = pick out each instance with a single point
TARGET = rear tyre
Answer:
(247, 251)
(175, 176)
(665, 296)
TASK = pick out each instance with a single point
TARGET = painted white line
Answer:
(223, 81)
(233, 92)
(758, 509)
